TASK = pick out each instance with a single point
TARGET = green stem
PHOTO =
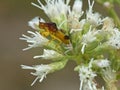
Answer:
(76, 58)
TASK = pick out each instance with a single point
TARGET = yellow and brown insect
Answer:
(50, 29)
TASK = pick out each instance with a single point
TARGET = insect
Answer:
(50, 29)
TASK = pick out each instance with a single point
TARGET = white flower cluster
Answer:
(54, 8)
(87, 76)
(89, 37)
(36, 40)
(114, 40)
(51, 54)
(102, 63)
(41, 71)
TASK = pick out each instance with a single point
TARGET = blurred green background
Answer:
(14, 17)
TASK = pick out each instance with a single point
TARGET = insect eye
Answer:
(54, 24)
(66, 37)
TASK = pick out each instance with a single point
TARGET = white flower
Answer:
(108, 24)
(74, 17)
(77, 7)
(93, 18)
(41, 71)
(102, 63)
(107, 4)
(49, 54)
(87, 76)
(36, 40)
(109, 75)
(114, 40)
(87, 38)
(76, 25)
(34, 23)
(54, 8)
(76, 12)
